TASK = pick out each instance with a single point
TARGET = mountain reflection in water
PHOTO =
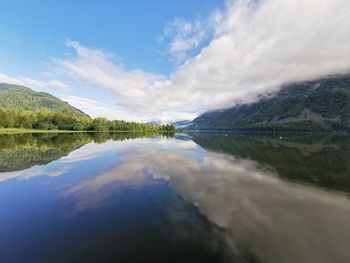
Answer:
(228, 198)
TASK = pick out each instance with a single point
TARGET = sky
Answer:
(169, 60)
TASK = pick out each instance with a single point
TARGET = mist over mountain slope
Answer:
(23, 98)
(321, 104)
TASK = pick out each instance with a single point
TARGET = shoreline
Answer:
(228, 131)
(23, 131)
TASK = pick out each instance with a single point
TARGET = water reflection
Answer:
(23, 151)
(313, 159)
(225, 197)
(262, 215)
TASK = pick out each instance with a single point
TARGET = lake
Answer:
(197, 197)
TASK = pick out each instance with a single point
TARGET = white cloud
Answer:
(34, 84)
(256, 47)
(259, 46)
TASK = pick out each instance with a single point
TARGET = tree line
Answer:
(63, 120)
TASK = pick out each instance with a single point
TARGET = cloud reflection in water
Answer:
(275, 220)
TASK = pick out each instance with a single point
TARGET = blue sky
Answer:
(34, 31)
(169, 60)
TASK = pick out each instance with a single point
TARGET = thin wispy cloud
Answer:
(98, 109)
(98, 68)
(181, 37)
(35, 84)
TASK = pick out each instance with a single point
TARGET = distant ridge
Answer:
(22, 98)
(182, 124)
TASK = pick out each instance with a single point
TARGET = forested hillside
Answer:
(21, 98)
(313, 105)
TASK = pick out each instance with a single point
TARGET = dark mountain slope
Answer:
(313, 105)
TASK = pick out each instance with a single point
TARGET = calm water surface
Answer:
(189, 198)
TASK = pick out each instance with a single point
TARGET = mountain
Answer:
(322, 105)
(181, 124)
(22, 98)
(155, 123)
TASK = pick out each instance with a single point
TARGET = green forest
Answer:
(63, 120)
